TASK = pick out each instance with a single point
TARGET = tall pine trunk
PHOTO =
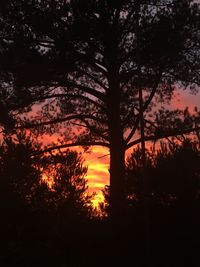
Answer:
(117, 147)
(117, 172)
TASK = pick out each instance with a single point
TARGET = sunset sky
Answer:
(97, 159)
(100, 133)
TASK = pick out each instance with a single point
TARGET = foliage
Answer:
(172, 172)
(40, 216)
(68, 186)
(99, 72)
(101, 69)
(70, 59)
(23, 173)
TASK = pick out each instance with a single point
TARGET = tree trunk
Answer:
(117, 173)
(117, 147)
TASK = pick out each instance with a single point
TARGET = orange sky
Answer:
(97, 159)
(98, 163)
(98, 174)
(186, 99)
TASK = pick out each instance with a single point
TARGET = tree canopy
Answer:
(172, 172)
(100, 67)
(43, 182)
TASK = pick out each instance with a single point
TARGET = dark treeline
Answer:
(38, 218)
(55, 225)
(99, 73)
(105, 69)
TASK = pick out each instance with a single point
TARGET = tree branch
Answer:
(94, 130)
(161, 136)
(133, 130)
(145, 106)
(72, 145)
(94, 62)
(94, 79)
(70, 96)
(154, 88)
(85, 89)
(59, 120)
(125, 77)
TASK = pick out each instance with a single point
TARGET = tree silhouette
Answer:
(69, 187)
(22, 178)
(36, 215)
(103, 66)
(19, 173)
(172, 173)
(19, 179)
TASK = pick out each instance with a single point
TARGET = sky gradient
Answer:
(98, 159)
